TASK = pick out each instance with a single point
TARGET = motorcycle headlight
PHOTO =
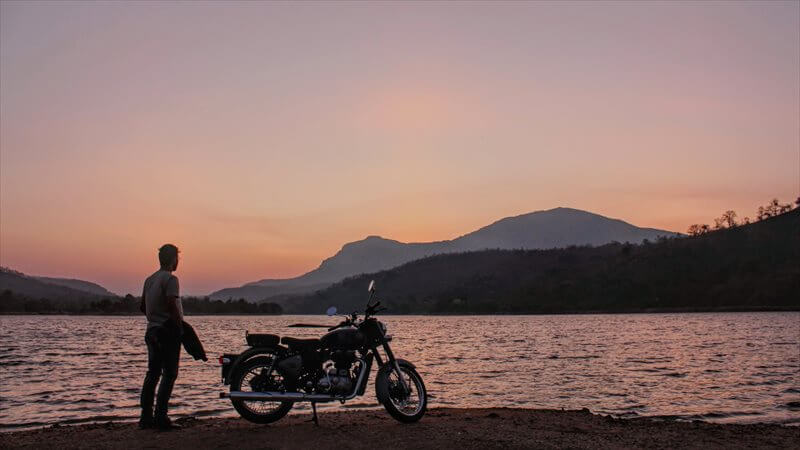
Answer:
(383, 327)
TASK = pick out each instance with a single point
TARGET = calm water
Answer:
(736, 367)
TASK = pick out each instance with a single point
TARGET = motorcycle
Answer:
(276, 372)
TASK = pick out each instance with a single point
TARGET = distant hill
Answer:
(554, 228)
(755, 266)
(80, 285)
(269, 289)
(51, 288)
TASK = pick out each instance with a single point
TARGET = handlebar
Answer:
(372, 309)
(353, 318)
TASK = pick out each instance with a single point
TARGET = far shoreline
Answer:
(731, 309)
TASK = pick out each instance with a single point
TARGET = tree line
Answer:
(728, 219)
(11, 302)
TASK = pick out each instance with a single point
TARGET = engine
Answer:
(339, 373)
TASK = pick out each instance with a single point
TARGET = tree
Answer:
(773, 209)
(698, 229)
(726, 220)
(729, 217)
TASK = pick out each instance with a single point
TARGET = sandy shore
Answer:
(440, 428)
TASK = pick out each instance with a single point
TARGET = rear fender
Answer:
(249, 353)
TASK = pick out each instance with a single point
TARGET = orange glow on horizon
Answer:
(262, 147)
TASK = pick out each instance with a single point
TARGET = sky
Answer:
(261, 137)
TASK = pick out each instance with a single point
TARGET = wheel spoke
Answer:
(260, 406)
(408, 403)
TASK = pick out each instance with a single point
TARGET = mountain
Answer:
(272, 289)
(554, 228)
(79, 285)
(52, 288)
(748, 267)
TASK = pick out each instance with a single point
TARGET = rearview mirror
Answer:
(371, 286)
(331, 311)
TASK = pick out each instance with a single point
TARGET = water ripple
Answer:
(727, 367)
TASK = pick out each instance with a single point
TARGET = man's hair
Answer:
(167, 254)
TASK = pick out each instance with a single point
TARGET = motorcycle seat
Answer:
(262, 339)
(308, 344)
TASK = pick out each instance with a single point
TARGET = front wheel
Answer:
(258, 375)
(402, 405)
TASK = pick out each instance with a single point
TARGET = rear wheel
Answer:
(405, 406)
(259, 375)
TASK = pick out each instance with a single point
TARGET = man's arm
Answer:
(142, 304)
(172, 298)
(174, 312)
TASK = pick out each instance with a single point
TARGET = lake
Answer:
(721, 367)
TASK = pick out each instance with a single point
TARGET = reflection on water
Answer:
(722, 367)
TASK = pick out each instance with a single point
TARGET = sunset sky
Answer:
(260, 137)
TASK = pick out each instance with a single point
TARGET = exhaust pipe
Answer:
(275, 396)
(280, 396)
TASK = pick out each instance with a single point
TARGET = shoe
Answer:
(164, 424)
(146, 423)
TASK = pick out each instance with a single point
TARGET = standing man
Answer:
(162, 306)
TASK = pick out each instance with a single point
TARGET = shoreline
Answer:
(440, 428)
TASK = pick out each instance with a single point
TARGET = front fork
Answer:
(393, 361)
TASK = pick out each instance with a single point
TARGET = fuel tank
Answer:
(343, 339)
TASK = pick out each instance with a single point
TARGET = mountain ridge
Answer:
(74, 283)
(66, 289)
(553, 228)
(746, 267)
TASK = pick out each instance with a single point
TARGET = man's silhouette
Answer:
(162, 306)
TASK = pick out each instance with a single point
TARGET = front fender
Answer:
(382, 377)
(247, 354)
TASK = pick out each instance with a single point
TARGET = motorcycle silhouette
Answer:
(276, 372)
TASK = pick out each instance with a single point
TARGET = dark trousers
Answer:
(163, 356)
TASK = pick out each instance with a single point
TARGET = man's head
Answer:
(168, 257)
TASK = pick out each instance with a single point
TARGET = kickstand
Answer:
(314, 413)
